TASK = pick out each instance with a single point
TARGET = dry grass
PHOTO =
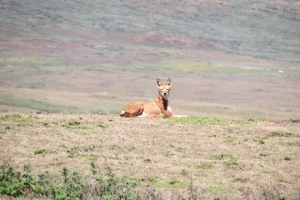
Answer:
(257, 160)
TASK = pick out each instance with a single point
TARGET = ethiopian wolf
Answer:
(158, 108)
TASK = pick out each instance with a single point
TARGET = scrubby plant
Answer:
(70, 186)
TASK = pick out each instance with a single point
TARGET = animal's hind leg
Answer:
(133, 110)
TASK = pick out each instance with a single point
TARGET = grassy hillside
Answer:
(68, 67)
(208, 158)
(104, 30)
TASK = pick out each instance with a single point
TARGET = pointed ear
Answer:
(158, 82)
(169, 81)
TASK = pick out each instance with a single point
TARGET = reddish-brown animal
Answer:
(158, 108)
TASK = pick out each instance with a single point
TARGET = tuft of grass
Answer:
(76, 124)
(229, 138)
(102, 125)
(230, 161)
(184, 172)
(178, 149)
(205, 165)
(208, 121)
(287, 158)
(41, 151)
(261, 142)
(73, 152)
(155, 183)
(219, 190)
(240, 180)
(172, 183)
(281, 134)
(294, 120)
(175, 183)
(291, 144)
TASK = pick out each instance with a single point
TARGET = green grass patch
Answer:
(16, 118)
(208, 121)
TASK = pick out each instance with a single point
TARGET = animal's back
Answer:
(133, 109)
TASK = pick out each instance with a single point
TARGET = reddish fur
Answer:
(154, 109)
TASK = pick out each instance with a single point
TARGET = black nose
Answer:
(165, 93)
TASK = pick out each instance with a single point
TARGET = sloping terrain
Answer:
(95, 56)
(70, 64)
(95, 31)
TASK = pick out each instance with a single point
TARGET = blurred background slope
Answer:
(225, 57)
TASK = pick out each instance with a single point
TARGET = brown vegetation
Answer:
(216, 159)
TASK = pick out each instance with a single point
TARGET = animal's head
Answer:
(164, 89)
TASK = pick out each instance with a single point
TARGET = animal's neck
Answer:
(161, 102)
